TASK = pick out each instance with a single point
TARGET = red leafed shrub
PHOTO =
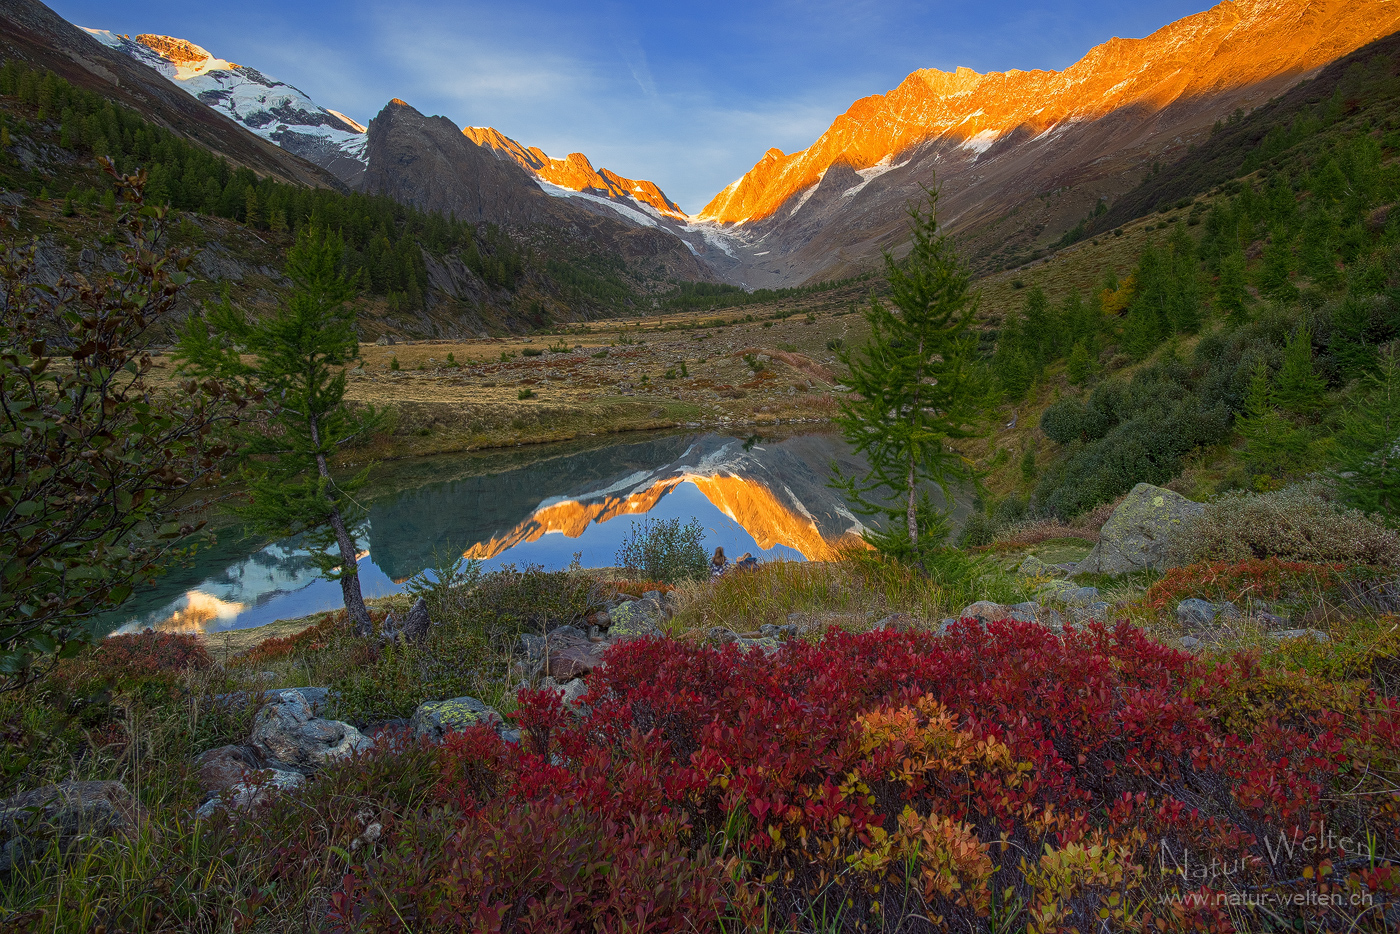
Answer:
(1260, 579)
(151, 652)
(309, 638)
(1004, 778)
(638, 588)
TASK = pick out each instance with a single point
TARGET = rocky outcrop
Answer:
(288, 732)
(67, 811)
(1136, 537)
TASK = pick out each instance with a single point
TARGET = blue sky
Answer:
(688, 94)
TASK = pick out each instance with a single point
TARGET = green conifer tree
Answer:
(916, 388)
(1080, 365)
(300, 355)
(1273, 446)
(1276, 268)
(1298, 389)
(1367, 472)
(1232, 294)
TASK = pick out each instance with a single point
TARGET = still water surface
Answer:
(533, 507)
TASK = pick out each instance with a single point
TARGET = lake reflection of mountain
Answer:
(769, 498)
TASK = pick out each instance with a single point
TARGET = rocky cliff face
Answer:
(274, 110)
(996, 140)
(428, 163)
(576, 173)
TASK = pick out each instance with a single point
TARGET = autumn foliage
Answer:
(1001, 776)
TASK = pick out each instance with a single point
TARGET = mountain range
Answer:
(1019, 157)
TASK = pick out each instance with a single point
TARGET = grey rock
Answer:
(1140, 531)
(1025, 612)
(1034, 567)
(417, 623)
(899, 622)
(790, 631)
(511, 736)
(1270, 621)
(1195, 613)
(638, 619)
(66, 811)
(945, 626)
(1096, 611)
(1080, 596)
(1054, 590)
(1190, 643)
(253, 792)
(289, 732)
(433, 720)
(1316, 635)
(721, 635)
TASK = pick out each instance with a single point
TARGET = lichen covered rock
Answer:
(433, 720)
(1136, 537)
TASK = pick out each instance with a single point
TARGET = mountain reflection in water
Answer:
(771, 499)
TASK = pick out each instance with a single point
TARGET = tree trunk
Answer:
(911, 515)
(349, 565)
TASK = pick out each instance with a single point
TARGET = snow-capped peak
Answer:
(270, 108)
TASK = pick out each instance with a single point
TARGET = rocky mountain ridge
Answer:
(995, 142)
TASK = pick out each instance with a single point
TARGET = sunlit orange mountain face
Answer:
(575, 172)
(994, 141)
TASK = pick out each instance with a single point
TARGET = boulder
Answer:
(1080, 596)
(570, 694)
(793, 630)
(635, 619)
(1195, 613)
(575, 660)
(67, 810)
(1136, 537)
(433, 720)
(1053, 591)
(288, 732)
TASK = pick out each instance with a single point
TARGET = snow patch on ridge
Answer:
(980, 142)
(869, 175)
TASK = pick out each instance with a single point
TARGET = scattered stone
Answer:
(1053, 590)
(984, 611)
(288, 732)
(1080, 596)
(1136, 537)
(570, 693)
(225, 766)
(1190, 643)
(433, 720)
(386, 340)
(899, 622)
(1283, 635)
(254, 790)
(1025, 612)
(1269, 620)
(721, 635)
(790, 631)
(67, 810)
(1195, 613)
(945, 626)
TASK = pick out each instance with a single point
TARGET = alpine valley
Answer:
(1049, 146)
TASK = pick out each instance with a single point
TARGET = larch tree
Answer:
(299, 358)
(916, 387)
